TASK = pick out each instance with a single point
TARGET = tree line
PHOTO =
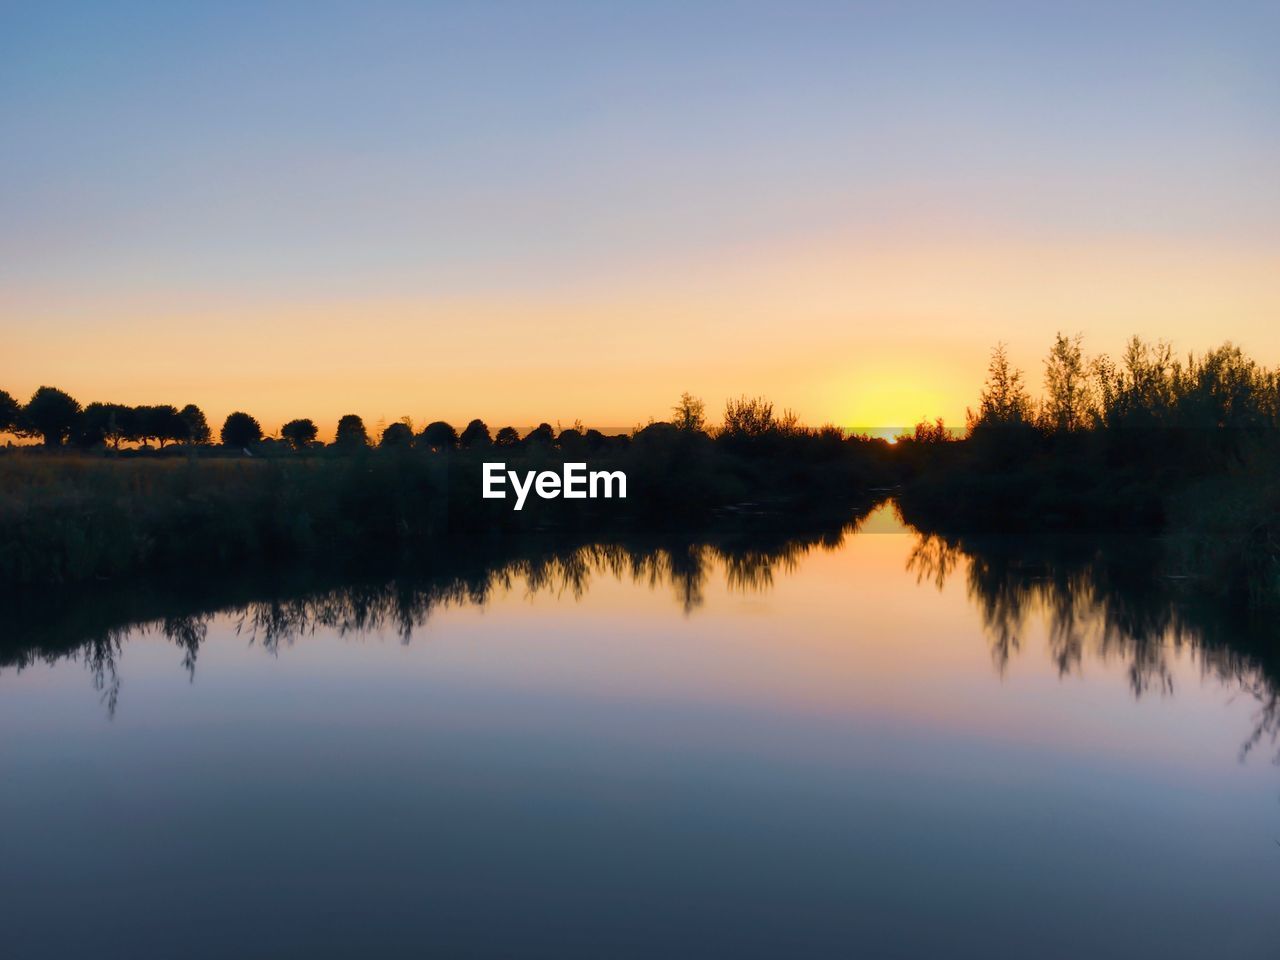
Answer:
(58, 420)
(1147, 387)
(1184, 446)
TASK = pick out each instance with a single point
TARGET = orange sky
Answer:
(858, 333)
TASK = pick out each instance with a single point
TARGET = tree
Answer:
(121, 423)
(690, 414)
(127, 423)
(475, 434)
(195, 428)
(926, 432)
(9, 411)
(351, 433)
(140, 424)
(1068, 405)
(300, 433)
(98, 423)
(1004, 400)
(542, 433)
(50, 414)
(160, 423)
(656, 431)
(240, 430)
(507, 437)
(571, 441)
(397, 436)
(438, 435)
(748, 417)
(1139, 392)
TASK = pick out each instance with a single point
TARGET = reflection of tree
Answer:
(100, 656)
(1267, 719)
(748, 555)
(1104, 603)
(1108, 603)
(188, 633)
(933, 559)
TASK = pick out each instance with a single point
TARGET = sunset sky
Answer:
(549, 211)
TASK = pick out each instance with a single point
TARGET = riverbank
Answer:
(68, 518)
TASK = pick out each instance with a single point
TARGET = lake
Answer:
(860, 742)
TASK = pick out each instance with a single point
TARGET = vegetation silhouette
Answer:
(351, 434)
(240, 430)
(1184, 447)
(51, 415)
(195, 428)
(438, 435)
(397, 436)
(1148, 442)
(9, 412)
(475, 434)
(300, 434)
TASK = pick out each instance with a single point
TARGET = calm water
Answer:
(882, 746)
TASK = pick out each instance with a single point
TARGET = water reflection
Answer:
(1103, 601)
(1106, 601)
(93, 628)
(762, 742)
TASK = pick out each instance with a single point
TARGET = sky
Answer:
(556, 211)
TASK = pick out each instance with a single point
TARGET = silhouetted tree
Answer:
(475, 434)
(658, 431)
(99, 423)
(397, 436)
(240, 430)
(507, 437)
(438, 435)
(122, 424)
(1004, 400)
(51, 415)
(1224, 389)
(160, 423)
(543, 433)
(690, 414)
(748, 417)
(571, 441)
(139, 424)
(1067, 404)
(300, 433)
(9, 411)
(351, 433)
(931, 432)
(125, 419)
(195, 426)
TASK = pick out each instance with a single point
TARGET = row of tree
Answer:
(58, 420)
(242, 430)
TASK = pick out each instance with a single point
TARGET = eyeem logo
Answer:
(574, 484)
